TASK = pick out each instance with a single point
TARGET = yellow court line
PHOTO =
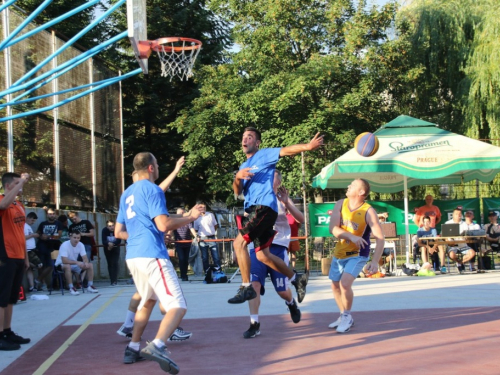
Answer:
(50, 361)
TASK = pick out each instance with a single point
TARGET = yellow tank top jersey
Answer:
(353, 222)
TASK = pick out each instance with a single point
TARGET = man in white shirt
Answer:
(67, 260)
(468, 254)
(205, 227)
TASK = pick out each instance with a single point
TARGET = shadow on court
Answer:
(444, 341)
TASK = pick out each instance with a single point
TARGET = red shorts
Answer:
(258, 226)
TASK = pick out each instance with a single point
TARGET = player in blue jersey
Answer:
(255, 181)
(142, 221)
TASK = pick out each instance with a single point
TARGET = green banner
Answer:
(319, 213)
(490, 204)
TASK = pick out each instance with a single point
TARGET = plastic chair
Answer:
(56, 275)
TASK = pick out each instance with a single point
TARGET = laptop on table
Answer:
(450, 230)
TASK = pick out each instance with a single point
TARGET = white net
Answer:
(177, 59)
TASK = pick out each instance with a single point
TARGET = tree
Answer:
(303, 66)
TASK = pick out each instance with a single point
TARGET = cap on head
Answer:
(492, 213)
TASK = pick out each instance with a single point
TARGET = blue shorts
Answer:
(259, 271)
(352, 266)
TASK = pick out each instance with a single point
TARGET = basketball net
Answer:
(177, 57)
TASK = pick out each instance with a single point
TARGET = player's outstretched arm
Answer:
(165, 184)
(165, 223)
(316, 142)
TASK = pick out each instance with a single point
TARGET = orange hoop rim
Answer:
(159, 44)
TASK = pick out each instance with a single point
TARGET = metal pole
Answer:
(8, 83)
(92, 139)
(122, 155)
(57, 140)
(306, 216)
(407, 230)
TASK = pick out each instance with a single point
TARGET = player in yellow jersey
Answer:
(351, 222)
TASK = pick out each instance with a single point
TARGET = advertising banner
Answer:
(319, 213)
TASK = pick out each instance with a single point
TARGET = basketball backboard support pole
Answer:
(137, 29)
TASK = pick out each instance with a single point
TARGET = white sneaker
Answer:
(336, 323)
(92, 289)
(346, 323)
(73, 291)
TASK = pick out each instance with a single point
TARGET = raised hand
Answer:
(316, 142)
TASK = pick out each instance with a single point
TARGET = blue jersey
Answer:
(139, 205)
(259, 189)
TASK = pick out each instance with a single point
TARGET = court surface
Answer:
(446, 324)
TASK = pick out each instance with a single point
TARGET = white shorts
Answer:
(156, 279)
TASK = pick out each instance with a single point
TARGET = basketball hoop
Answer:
(177, 55)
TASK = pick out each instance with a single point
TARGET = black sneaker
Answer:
(132, 356)
(245, 293)
(16, 339)
(294, 311)
(300, 283)
(253, 331)
(8, 345)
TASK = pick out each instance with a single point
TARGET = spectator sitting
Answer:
(85, 228)
(467, 253)
(30, 236)
(471, 226)
(67, 261)
(492, 230)
(427, 231)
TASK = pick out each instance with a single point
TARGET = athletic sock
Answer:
(289, 302)
(293, 277)
(246, 284)
(70, 286)
(134, 345)
(90, 283)
(158, 343)
(129, 319)
(347, 312)
(254, 318)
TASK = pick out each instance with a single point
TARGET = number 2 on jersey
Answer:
(130, 202)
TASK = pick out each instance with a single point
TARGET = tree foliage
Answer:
(301, 67)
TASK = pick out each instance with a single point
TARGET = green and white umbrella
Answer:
(414, 152)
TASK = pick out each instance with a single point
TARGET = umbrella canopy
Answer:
(418, 150)
(413, 152)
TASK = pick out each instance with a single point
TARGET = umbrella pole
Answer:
(407, 227)
(306, 216)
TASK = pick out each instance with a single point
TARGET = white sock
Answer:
(293, 277)
(289, 302)
(254, 318)
(90, 283)
(70, 286)
(129, 320)
(134, 345)
(158, 343)
(246, 284)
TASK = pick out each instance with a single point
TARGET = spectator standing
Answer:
(49, 234)
(294, 246)
(205, 227)
(85, 228)
(111, 246)
(184, 233)
(30, 236)
(63, 219)
(13, 257)
(428, 210)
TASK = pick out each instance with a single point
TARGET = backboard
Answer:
(137, 29)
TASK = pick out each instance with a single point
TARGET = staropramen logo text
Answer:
(401, 148)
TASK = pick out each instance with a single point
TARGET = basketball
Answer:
(366, 144)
